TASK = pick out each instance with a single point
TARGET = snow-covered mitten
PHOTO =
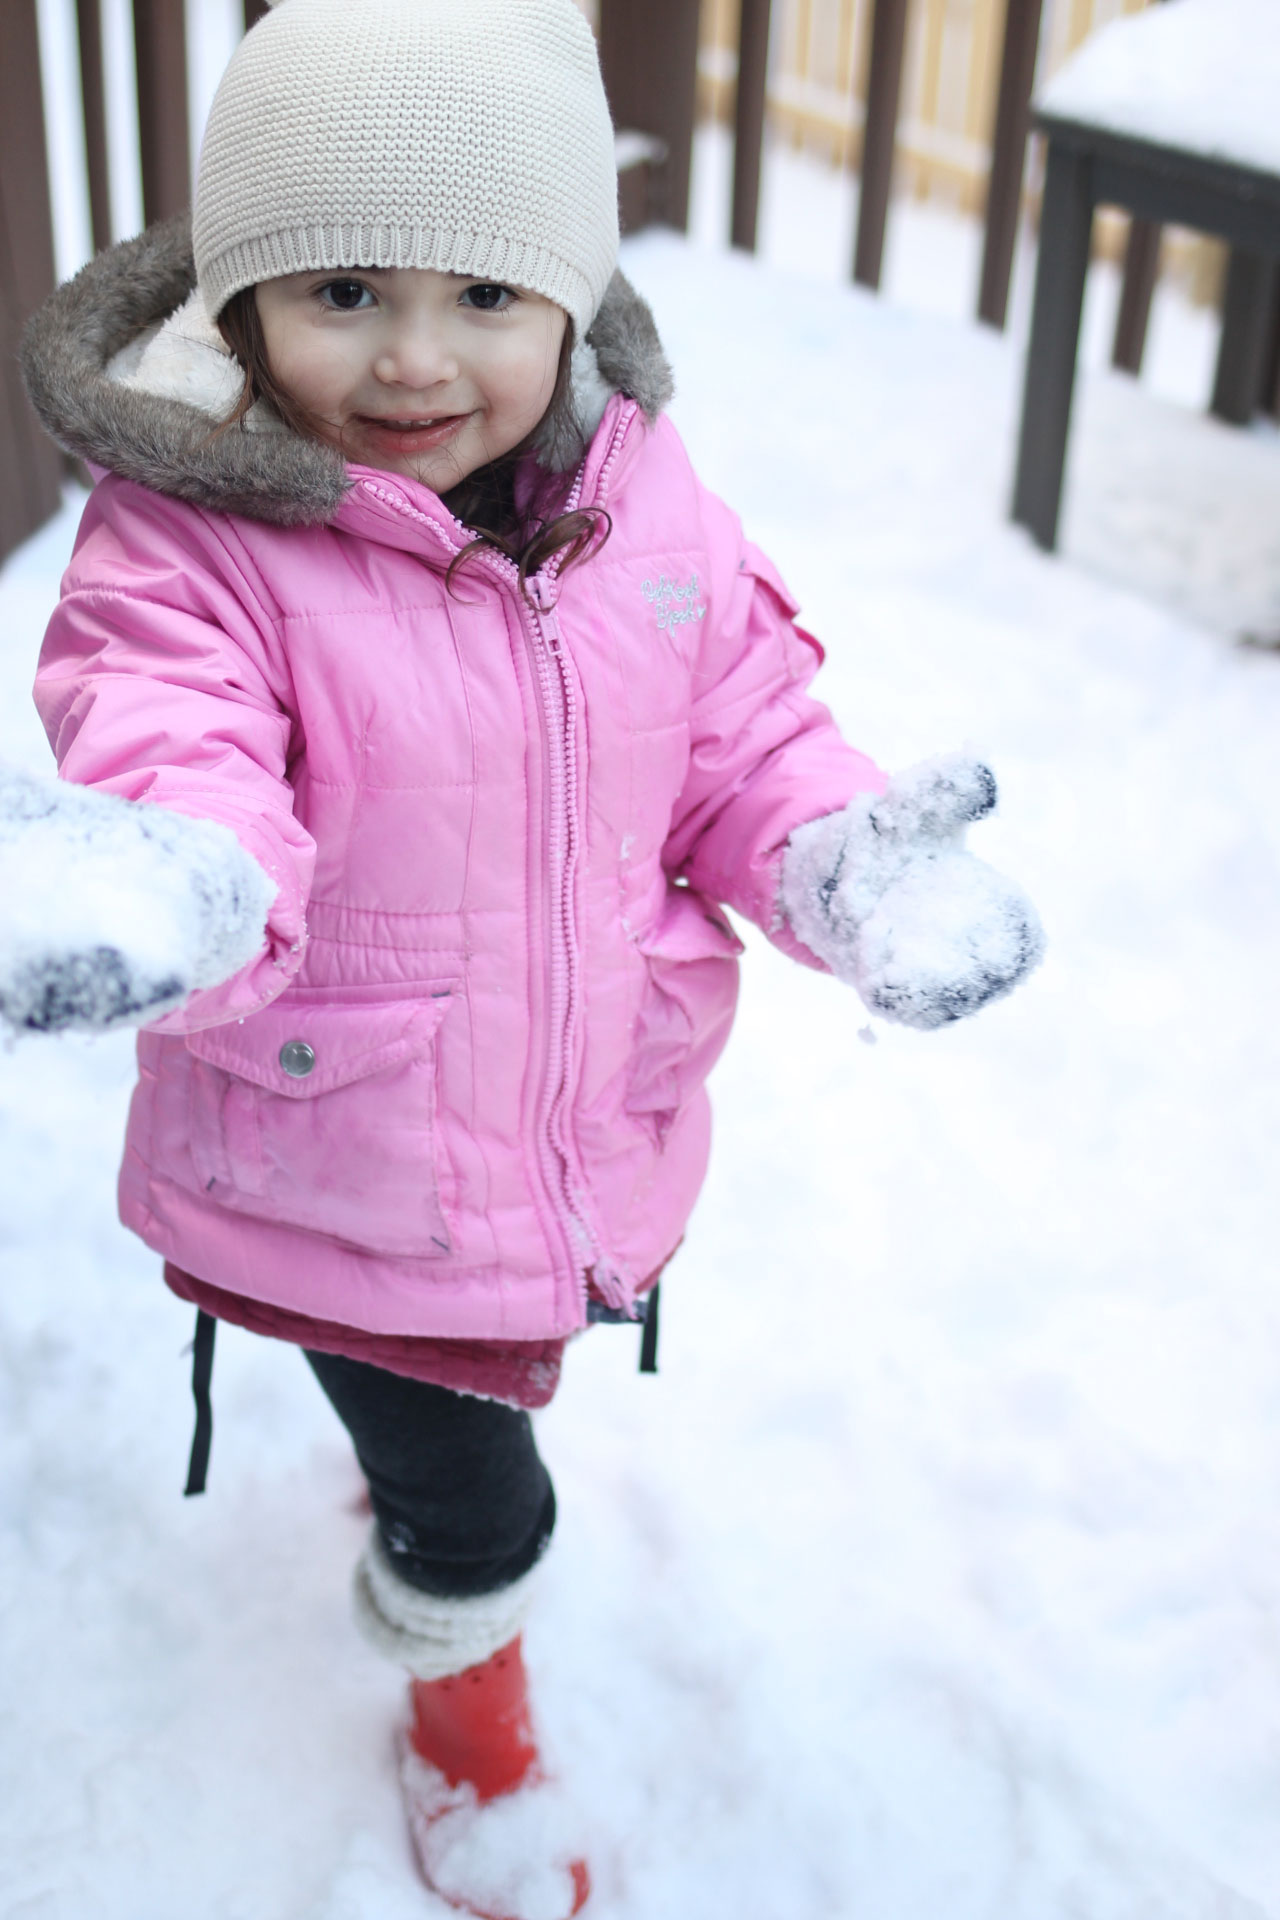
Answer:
(887, 896)
(495, 1836)
(112, 911)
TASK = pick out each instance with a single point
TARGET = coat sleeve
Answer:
(764, 755)
(161, 680)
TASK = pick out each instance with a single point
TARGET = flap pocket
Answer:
(323, 1117)
(301, 1050)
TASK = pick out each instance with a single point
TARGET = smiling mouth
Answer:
(413, 434)
(411, 426)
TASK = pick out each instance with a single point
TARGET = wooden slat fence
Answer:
(935, 95)
(820, 79)
(928, 96)
(30, 468)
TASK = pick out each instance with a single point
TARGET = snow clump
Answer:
(508, 1856)
(114, 911)
(887, 896)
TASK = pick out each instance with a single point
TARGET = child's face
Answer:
(426, 374)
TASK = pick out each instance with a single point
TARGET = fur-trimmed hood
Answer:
(126, 371)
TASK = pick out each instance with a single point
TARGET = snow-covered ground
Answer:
(938, 1571)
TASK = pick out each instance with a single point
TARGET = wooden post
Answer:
(1248, 323)
(160, 49)
(1141, 268)
(884, 87)
(93, 101)
(1066, 228)
(749, 115)
(1008, 157)
(30, 469)
(649, 58)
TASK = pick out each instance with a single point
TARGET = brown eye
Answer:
(345, 295)
(488, 296)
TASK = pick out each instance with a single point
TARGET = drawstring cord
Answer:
(649, 1338)
(645, 1311)
(201, 1382)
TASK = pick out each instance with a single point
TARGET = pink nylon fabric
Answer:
(500, 832)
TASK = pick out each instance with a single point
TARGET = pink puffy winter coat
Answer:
(501, 828)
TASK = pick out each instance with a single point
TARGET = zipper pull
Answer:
(542, 592)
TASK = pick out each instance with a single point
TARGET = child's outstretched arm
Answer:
(764, 756)
(164, 693)
(841, 866)
(886, 895)
(115, 912)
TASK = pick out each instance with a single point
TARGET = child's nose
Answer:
(415, 358)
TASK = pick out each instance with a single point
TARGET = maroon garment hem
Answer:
(523, 1373)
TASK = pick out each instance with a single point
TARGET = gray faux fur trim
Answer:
(167, 446)
(628, 350)
(160, 443)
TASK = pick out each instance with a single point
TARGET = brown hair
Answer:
(485, 501)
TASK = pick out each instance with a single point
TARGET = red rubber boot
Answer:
(471, 1778)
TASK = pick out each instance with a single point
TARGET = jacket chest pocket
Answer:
(324, 1118)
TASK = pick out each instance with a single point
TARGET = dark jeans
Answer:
(462, 1501)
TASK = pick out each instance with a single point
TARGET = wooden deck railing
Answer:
(29, 466)
(917, 92)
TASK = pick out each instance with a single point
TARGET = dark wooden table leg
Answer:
(1066, 225)
(1141, 268)
(1248, 320)
(1271, 378)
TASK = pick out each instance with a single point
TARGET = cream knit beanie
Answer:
(468, 135)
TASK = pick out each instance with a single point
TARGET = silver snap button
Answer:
(297, 1059)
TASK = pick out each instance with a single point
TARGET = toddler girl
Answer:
(423, 711)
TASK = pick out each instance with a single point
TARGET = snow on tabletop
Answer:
(1202, 75)
(937, 1571)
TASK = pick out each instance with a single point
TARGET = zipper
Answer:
(560, 711)
(537, 610)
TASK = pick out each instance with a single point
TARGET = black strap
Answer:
(201, 1380)
(649, 1338)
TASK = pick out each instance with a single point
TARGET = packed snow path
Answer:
(938, 1571)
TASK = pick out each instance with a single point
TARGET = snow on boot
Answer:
(484, 1819)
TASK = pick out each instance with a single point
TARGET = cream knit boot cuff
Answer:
(430, 1635)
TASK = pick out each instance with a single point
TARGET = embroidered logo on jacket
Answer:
(674, 603)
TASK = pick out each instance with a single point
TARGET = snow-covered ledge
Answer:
(1199, 75)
